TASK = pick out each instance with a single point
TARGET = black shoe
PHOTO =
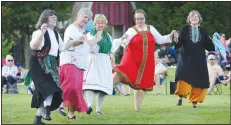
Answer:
(61, 111)
(194, 104)
(179, 103)
(89, 110)
(47, 114)
(37, 120)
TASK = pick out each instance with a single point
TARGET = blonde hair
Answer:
(9, 57)
(100, 18)
(193, 12)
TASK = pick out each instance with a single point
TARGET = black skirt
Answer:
(44, 86)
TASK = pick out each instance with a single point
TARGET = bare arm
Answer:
(37, 37)
(36, 40)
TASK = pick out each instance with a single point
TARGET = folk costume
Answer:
(98, 75)
(47, 95)
(192, 72)
(137, 65)
(72, 65)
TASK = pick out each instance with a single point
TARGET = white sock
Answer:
(48, 100)
(41, 110)
(100, 101)
(89, 97)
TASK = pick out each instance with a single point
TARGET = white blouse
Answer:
(77, 55)
(54, 44)
(94, 47)
(159, 39)
(215, 70)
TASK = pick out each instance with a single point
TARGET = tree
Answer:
(19, 19)
(166, 16)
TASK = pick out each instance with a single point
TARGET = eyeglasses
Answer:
(10, 60)
(194, 17)
(139, 19)
(211, 59)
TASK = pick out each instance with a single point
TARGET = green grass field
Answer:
(156, 109)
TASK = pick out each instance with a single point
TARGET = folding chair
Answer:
(217, 89)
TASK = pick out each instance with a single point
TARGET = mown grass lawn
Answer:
(156, 109)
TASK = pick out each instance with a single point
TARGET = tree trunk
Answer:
(18, 50)
(27, 51)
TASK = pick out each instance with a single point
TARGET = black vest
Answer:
(47, 45)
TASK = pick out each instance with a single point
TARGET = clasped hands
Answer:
(83, 39)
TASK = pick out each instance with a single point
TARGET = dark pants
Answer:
(10, 83)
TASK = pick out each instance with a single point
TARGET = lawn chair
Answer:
(217, 89)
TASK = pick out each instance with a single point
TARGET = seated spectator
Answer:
(165, 58)
(228, 44)
(216, 74)
(172, 54)
(160, 73)
(219, 46)
(21, 72)
(223, 40)
(9, 72)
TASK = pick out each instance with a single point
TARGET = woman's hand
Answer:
(98, 36)
(44, 28)
(175, 35)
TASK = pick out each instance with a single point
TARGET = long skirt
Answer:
(44, 86)
(71, 79)
(98, 75)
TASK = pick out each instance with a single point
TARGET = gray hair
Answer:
(193, 12)
(44, 17)
(85, 11)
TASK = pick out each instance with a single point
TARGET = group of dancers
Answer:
(86, 62)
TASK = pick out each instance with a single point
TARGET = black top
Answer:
(192, 64)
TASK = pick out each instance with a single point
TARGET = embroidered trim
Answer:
(191, 34)
(144, 60)
(122, 75)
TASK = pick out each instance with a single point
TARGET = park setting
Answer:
(115, 62)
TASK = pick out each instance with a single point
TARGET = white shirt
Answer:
(215, 70)
(159, 39)
(94, 47)
(77, 55)
(6, 71)
(54, 44)
(158, 68)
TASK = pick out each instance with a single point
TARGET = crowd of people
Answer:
(87, 63)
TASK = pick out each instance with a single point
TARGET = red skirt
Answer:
(137, 65)
(71, 79)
